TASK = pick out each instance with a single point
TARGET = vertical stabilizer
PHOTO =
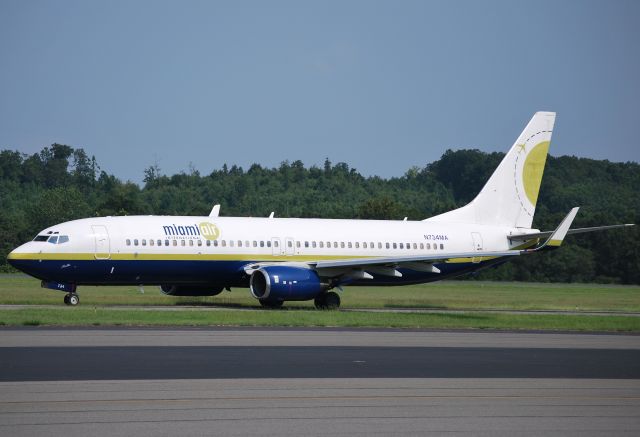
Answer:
(509, 197)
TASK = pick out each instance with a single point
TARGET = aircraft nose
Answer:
(11, 258)
(17, 258)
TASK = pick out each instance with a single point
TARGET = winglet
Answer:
(557, 237)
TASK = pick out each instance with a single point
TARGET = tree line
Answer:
(61, 183)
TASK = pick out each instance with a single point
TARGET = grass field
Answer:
(97, 303)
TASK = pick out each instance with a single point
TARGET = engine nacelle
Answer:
(285, 283)
(190, 290)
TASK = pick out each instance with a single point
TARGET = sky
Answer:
(381, 85)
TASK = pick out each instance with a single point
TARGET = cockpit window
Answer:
(53, 239)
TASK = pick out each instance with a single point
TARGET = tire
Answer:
(74, 299)
(331, 301)
(327, 301)
(271, 304)
(66, 299)
(319, 302)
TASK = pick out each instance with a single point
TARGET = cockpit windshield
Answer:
(53, 239)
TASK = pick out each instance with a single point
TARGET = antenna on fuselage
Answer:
(271, 215)
(215, 212)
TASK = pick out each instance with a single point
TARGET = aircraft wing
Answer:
(386, 266)
(535, 235)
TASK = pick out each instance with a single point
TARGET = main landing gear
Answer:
(71, 299)
(327, 301)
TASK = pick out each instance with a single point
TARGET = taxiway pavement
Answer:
(259, 381)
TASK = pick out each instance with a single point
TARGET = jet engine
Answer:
(285, 283)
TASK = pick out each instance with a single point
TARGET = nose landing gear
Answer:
(71, 299)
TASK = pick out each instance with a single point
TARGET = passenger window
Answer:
(182, 242)
(261, 243)
(215, 243)
(208, 242)
(421, 246)
(190, 242)
(395, 246)
(335, 244)
(275, 243)
(199, 242)
(408, 245)
(151, 242)
(313, 244)
(364, 245)
(415, 246)
(166, 242)
(175, 242)
(230, 243)
(239, 243)
(135, 242)
(306, 244)
(144, 241)
(128, 242)
(297, 244)
(255, 243)
(387, 244)
(224, 243)
(441, 246)
(358, 245)
(401, 246)
(246, 243)
(289, 243)
(159, 242)
(342, 245)
(268, 243)
(349, 244)
(428, 246)
(321, 245)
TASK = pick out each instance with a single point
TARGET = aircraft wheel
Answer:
(327, 301)
(332, 300)
(66, 299)
(271, 304)
(74, 299)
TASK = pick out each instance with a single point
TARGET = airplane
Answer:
(293, 259)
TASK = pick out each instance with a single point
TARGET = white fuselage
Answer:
(185, 249)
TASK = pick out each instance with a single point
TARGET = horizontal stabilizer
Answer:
(547, 234)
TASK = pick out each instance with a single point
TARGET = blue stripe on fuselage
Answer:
(224, 273)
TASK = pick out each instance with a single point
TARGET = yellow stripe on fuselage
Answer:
(178, 257)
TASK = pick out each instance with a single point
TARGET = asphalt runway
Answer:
(222, 307)
(259, 381)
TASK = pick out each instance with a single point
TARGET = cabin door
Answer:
(477, 245)
(102, 243)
